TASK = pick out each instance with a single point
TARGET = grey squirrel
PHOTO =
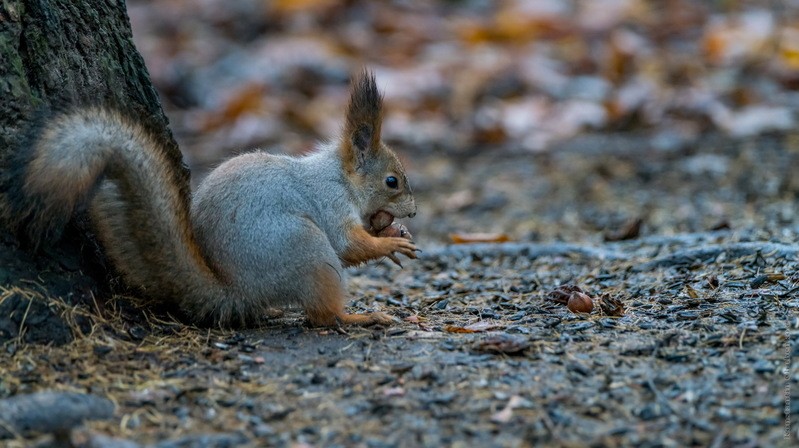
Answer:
(262, 232)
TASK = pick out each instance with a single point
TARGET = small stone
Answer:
(46, 412)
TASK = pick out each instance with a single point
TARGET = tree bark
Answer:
(54, 52)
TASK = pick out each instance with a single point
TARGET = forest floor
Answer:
(690, 254)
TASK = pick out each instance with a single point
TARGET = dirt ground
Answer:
(699, 349)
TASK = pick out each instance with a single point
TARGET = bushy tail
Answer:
(97, 159)
(46, 177)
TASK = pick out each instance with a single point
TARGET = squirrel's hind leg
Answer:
(326, 308)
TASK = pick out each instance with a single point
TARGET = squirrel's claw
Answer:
(396, 260)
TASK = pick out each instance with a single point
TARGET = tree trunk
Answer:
(54, 52)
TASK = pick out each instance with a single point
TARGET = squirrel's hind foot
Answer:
(376, 318)
(364, 320)
(326, 307)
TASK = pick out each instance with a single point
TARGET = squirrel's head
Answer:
(375, 170)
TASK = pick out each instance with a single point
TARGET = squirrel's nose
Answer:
(411, 215)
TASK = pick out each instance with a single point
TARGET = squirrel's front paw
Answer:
(403, 246)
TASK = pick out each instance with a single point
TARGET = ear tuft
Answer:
(364, 113)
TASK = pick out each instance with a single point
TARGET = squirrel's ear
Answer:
(364, 119)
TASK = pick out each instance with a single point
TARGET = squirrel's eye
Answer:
(391, 182)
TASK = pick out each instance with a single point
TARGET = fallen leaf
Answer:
(415, 319)
(562, 293)
(506, 413)
(611, 306)
(245, 100)
(457, 329)
(459, 200)
(788, 53)
(394, 392)
(294, 6)
(477, 327)
(509, 344)
(630, 230)
(760, 280)
(739, 37)
(465, 238)
(483, 325)
(752, 120)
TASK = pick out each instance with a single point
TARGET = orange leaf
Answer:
(457, 329)
(247, 99)
(465, 238)
(290, 6)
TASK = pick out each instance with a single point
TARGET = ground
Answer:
(701, 350)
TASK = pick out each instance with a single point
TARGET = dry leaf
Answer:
(629, 231)
(504, 343)
(752, 120)
(477, 327)
(760, 280)
(506, 413)
(740, 37)
(457, 329)
(294, 6)
(465, 238)
(611, 306)
(483, 325)
(415, 319)
(394, 392)
(562, 293)
(247, 99)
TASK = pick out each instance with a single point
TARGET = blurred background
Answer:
(536, 120)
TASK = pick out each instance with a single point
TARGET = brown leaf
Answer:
(465, 238)
(611, 306)
(509, 344)
(247, 99)
(456, 329)
(760, 280)
(629, 231)
(294, 6)
(415, 319)
(562, 293)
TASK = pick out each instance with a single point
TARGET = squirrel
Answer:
(262, 232)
